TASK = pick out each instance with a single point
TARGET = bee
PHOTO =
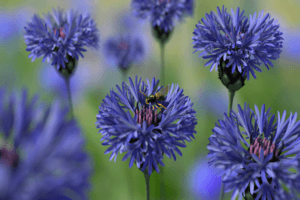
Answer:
(158, 96)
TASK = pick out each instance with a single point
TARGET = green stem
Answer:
(222, 190)
(124, 75)
(162, 72)
(67, 81)
(147, 179)
(162, 82)
(231, 96)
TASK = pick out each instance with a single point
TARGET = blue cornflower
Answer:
(163, 12)
(203, 181)
(12, 22)
(60, 37)
(235, 41)
(127, 123)
(272, 149)
(41, 153)
(213, 99)
(291, 48)
(123, 50)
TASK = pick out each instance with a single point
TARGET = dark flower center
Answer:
(255, 148)
(123, 45)
(267, 146)
(161, 1)
(240, 33)
(262, 144)
(149, 115)
(8, 156)
(239, 37)
(61, 33)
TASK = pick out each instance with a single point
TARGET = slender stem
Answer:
(67, 80)
(231, 95)
(147, 179)
(222, 190)
(162, 82)
(162, 72)
(124, 75)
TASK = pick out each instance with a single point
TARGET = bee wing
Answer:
(155, 88)
(166, 90)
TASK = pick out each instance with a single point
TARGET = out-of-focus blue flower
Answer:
(241, 42)
(52, 82)
(212, 100)
(291, 49)
(264, 166)
(203, 181)
(163, 12)
(12, 22)
(42, 153)
(127, 123)
(60, 36)
(123, 50)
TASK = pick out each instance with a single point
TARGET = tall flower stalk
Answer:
(60, 37)
(131, 121)
(162, 14)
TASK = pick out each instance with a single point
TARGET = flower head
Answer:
(241, 43)
(41, 153)
(124, 50)
(60, 37)
(259, 164)
(145, 131)
(163, 12)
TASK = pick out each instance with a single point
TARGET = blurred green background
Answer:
(277, 88)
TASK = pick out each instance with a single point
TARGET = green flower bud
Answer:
(160, 34)
(232, 81)
(70, 66)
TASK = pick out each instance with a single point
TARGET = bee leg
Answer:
(162, 105)
(143, 93)
(158, 108)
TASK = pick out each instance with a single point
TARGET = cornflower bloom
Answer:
(123, 51)
(145, 131)
(258, 166)
(41, 153)
(130, 122)
(162, 14)
(203, 181)
(237, 45)
(60, 37)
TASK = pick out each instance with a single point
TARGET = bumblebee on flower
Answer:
(129, 125)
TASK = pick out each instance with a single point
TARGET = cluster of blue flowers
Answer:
(41, 152)
(41, 149)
